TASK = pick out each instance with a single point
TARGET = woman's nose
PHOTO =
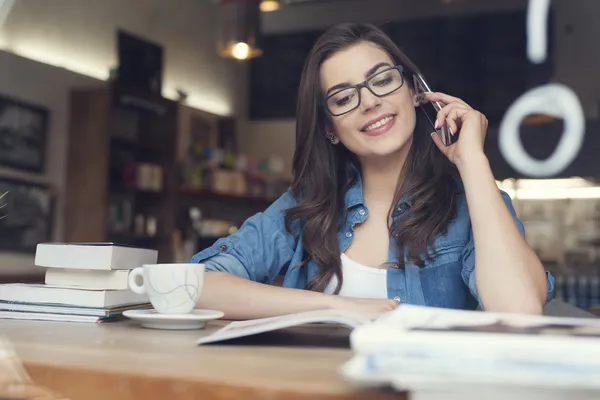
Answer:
(368, 100)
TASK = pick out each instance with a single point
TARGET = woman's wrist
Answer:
(332, 302)
(472, 162)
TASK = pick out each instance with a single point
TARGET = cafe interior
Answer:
(166, 124)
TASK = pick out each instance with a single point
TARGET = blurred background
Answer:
(166, 124)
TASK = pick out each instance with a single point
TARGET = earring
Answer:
(333, 138)
(419, 99)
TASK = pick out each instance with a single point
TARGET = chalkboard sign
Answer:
(23, 134)
(26, 215)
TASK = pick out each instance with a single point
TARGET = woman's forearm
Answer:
(240, 298)
(508, 273)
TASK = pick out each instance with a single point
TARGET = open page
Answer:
(239, 329)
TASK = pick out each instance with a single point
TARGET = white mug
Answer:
(171, 288)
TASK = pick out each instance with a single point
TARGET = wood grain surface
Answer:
(121, 360)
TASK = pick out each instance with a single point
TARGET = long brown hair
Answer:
(323, 172)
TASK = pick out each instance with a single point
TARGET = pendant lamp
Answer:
(270, 5)
(239, 29)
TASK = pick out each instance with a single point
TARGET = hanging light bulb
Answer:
(240, 50)
(270, 5)
(239, 28)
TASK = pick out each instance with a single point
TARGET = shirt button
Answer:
(348, 234)
(223, 248)
(400, 209)
(397, 299)
(362, 211)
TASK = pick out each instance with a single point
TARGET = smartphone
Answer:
(430, 109)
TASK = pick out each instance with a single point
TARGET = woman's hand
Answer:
(370, 308)
(462, 118)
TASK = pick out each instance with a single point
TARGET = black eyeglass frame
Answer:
(365, 84)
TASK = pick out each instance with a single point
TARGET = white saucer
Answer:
(194, 320)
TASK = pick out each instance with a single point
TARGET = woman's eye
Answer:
(344, 100)
(385, 80)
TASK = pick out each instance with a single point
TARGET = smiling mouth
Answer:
(377, 124)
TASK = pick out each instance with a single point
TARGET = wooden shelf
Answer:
(132, 190)
(221, 196)
(95, 164)
(137, 144)
(116, 126)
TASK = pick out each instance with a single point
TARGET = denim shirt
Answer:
(262, 249)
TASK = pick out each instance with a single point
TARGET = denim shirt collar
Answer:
(354, 197)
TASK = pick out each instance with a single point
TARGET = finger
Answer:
(443, 115)
(444, 98)
(452, 126)
(456, 117)
(459, 114)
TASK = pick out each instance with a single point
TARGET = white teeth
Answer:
(378, 123)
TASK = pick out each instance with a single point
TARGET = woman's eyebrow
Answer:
(370, 72)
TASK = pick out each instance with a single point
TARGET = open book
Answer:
(238, 329)
(410, 326)
(413, 347)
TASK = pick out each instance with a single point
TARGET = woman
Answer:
(380, 212)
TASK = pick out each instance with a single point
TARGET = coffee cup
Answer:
(171, 288)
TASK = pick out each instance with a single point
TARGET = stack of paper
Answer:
(429, 350)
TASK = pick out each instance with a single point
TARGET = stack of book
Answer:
(84, 282)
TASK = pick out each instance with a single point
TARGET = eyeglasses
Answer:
(381, 84)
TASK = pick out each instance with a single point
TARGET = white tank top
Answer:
(360, 280)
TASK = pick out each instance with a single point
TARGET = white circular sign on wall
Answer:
(552, 99)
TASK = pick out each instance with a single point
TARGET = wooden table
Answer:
(120, 360)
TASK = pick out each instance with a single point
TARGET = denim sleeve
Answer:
(258, 250)
(468, 259)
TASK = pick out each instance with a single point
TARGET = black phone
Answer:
(430, 109)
